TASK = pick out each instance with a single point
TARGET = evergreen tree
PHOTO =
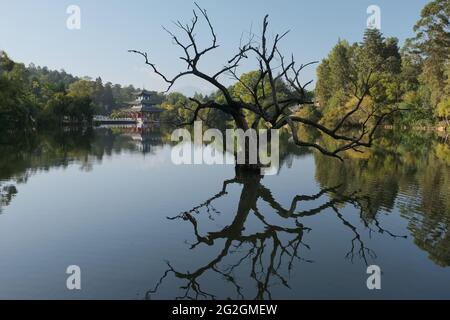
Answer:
(433, 40)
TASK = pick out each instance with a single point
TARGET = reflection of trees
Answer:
(6, 194)
(24, 155)
(375, 180)
(270, 252)
(430, 214)
(407, 171)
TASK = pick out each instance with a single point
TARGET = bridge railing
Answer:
(108, 119)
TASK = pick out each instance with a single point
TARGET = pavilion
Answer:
(144, 109)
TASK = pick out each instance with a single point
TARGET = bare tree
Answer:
(266, 106)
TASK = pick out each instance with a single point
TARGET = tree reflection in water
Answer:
(272, 252)
(405, 174)
(6, 195)
(22, 156)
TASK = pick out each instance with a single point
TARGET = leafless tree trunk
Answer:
(266, 105)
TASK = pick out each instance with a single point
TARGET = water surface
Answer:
(139, 227)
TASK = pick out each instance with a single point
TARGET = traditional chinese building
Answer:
(144, 109)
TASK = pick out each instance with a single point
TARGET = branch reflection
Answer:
(270, 253)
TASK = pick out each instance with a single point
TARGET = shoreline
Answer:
(436, 128)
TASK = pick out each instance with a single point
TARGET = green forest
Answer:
(31, 96)
(415, 77)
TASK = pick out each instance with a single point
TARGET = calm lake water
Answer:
(140, 227)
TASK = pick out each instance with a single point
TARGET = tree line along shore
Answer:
(415, 77)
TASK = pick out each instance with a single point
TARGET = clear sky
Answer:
(35, 31)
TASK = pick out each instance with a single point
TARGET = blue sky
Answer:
(35, 31)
